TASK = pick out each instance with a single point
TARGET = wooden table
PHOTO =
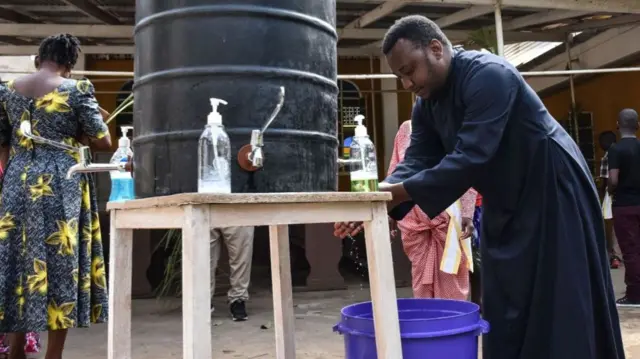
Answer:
(197, 213)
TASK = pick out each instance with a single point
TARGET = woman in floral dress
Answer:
(52, 271)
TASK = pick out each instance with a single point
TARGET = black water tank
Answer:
(240, 51)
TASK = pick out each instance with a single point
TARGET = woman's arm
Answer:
(91, 117)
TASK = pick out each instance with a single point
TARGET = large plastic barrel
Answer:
(429, 329)
(241, 51)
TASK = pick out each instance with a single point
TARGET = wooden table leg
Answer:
(196, 294)
(282, 293)
(120, 272)
(382, 283)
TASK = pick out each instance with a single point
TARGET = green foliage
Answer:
(484, 38)
(172, 282)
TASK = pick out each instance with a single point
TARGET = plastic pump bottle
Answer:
(122, 182)
(364, 172)
(214, 154)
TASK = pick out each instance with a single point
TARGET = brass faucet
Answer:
(84, 166)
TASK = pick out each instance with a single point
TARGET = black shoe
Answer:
(626, 302)
(238, 311)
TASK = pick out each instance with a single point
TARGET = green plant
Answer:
(484, 38)
(172, 281)
(128, 102)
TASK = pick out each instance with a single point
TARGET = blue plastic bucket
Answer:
(429, 329)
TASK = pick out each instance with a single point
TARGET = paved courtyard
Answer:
(157, 328)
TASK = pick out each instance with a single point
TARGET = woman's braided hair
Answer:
(63, 49)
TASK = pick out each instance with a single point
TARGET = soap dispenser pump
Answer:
(214, 154)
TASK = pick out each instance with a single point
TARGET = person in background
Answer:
(624, 185)
(607, 139)
(52, 270)
(423, 239)
(475, 278)
(239, 242)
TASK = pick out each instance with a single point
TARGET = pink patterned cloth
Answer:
(423, 239)
(31, 346)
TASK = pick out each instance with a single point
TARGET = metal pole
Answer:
(572, 89)
(373, 94)
(553, 73)
(499, 31)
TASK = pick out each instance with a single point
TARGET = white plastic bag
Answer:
(606, 206)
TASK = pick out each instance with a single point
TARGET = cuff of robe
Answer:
(413, 187)
(398, 212)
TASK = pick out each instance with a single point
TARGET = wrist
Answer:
(399, 193)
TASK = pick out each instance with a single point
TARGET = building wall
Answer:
(14, 63)
(604, 96)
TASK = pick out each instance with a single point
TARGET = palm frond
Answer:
(484, 38)
(172, 281)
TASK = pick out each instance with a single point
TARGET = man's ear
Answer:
(437, 48)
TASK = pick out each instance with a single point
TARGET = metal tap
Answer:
(346, 162)
(84, 166)
(256, 156)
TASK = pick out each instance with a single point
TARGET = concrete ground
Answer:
(157, 328)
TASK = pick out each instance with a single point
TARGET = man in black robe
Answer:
(547, 290)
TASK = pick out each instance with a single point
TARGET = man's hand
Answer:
(343, 229)
(129, 165)
(393, 228)
(467, 227)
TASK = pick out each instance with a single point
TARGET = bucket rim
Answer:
(474, 305)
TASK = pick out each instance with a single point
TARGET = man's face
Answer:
(422, 70)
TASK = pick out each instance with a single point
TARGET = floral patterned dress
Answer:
(52, 270)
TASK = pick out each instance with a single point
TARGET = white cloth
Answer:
(606, 206)
(455, 246)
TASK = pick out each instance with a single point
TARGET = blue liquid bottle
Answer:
(122, 182)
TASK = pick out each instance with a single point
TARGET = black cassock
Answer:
(547, 290)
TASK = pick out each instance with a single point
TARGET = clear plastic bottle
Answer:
(122, 182)
(214, 154)
(364, 169)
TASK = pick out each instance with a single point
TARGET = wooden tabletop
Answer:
(240, 198)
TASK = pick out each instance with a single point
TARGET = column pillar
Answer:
(389, 112)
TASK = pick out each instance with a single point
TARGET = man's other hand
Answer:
(467, 227)
(129, 165)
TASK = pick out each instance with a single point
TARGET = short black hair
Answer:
(606, 139)
(628, 119)
(415, 28)
(63, 49)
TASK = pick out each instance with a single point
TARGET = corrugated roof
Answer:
(524, 52)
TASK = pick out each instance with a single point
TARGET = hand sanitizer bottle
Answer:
(122, 182)
(214, 154)
(364, 172)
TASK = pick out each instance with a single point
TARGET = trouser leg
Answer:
(239, 242)
(626, 222)
(214, 248)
